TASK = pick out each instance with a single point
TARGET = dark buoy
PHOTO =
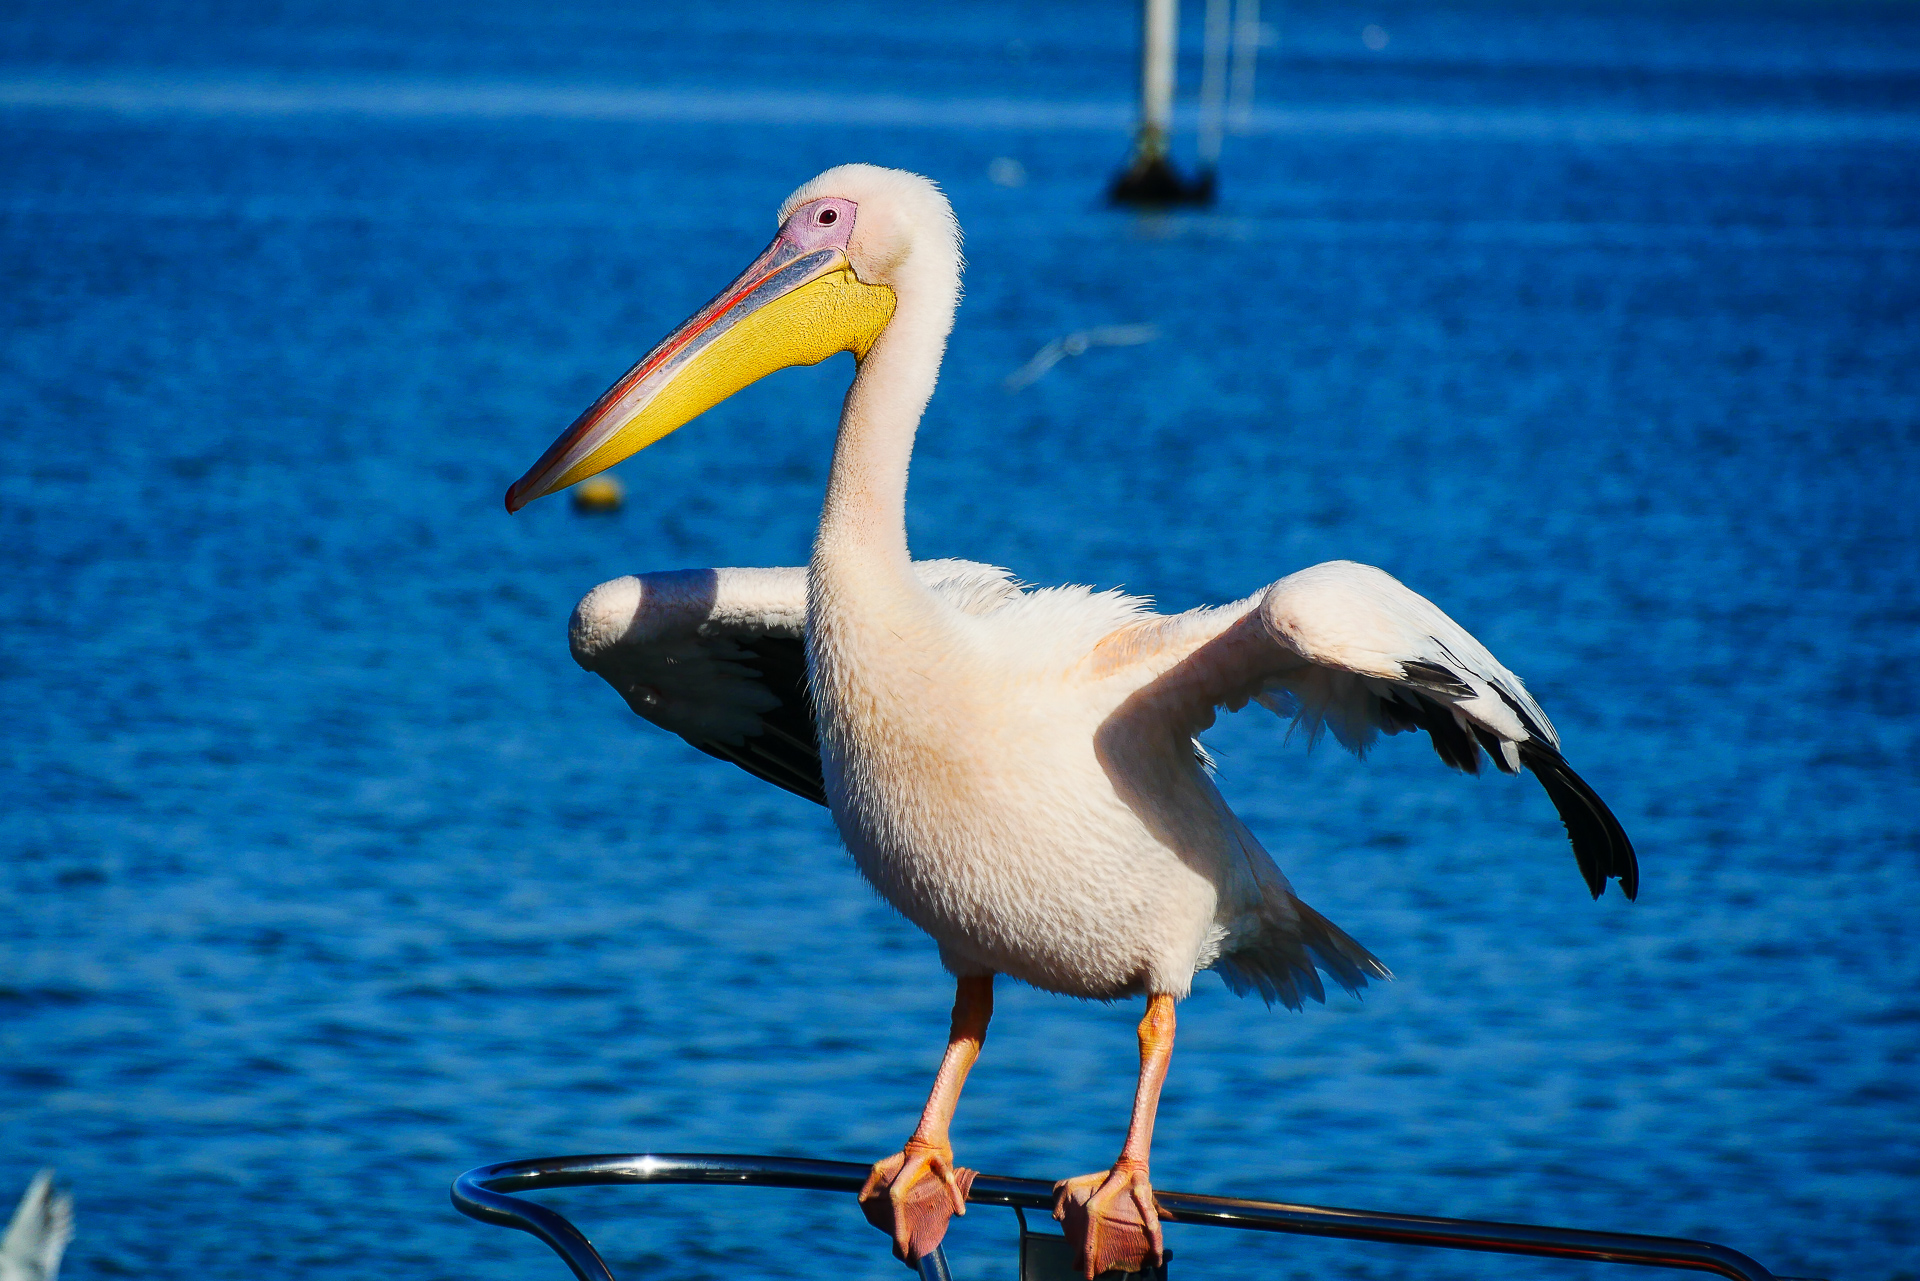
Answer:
(602, 493)
(1150, 180)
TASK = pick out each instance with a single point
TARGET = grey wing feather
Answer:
(1373, 657)
(718, 656)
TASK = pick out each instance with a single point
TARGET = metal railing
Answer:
(484, 1194)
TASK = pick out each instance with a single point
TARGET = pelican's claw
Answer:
(912, 1194)
(1111, 1219)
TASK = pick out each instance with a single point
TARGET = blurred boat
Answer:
(1233, 37)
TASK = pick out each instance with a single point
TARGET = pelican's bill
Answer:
(791, 307)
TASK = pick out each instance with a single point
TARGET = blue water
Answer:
(327, 875)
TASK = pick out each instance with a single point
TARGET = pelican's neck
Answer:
(863, 525)
(870, 621)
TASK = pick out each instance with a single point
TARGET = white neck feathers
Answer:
(863, 523)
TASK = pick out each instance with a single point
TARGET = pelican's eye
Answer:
(828, 217)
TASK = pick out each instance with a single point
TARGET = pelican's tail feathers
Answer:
(1280, 959)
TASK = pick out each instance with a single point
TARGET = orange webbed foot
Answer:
(912, 1194)
(1111, 1220)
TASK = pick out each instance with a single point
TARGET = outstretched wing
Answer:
(1347, 648)
(718, 656)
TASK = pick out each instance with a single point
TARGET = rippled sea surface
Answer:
(326, 875)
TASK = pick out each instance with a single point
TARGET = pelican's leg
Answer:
(1111, 1218)
(915, 1208)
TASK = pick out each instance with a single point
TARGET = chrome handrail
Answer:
(483, 1194)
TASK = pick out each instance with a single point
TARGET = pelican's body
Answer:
(1014, 770)
(978, 792)
(964, 772)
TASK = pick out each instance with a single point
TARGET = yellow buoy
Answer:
(602, 493)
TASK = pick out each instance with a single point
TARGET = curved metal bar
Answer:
(1464, 1234)
(933, 1267)
(481, 1194)
(474, 1195)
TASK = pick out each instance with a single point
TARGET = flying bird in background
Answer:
(1014, 769)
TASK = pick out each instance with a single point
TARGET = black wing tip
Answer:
(1600, 844)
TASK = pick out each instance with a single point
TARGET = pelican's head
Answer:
(850, 243)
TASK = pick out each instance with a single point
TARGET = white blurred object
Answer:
(1005, 171)
(38, 1235)
(1234, 37)
(1213, 81)
(1249, 34)
(1072, 345)
(1375, 37)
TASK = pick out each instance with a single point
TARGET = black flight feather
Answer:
(1599, 843)
(785, 752)
(1410, 710)
(1433, 676)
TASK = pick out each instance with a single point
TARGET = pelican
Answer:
(1014, 769)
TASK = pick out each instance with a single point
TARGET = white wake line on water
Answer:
(153, 95)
